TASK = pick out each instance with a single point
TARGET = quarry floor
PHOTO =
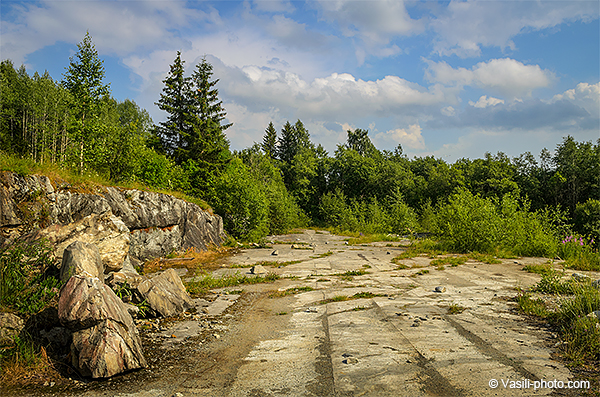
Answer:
(399, 339)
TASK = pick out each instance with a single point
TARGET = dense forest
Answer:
(286, 180)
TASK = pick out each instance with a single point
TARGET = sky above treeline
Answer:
(451, 79)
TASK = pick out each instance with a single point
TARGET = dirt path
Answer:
(396, 339)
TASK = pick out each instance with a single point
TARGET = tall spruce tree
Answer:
(84, 79)
(176, 101)
(269, 143)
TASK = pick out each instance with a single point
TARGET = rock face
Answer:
(105, 339)
(120, 222)
(10, 326)
(81, 258)
(165, 294)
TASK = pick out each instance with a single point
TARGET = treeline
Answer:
(286, 180)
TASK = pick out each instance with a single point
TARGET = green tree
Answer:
(269, 143)
(175, 100)
(84, 80)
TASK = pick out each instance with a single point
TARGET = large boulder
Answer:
(165, 294)
(80, 257)
(105, 230)
(105, 339)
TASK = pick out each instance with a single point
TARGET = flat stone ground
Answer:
(400, 342)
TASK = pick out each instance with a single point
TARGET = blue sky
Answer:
(451, 79)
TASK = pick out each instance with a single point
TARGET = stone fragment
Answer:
(440, 289)
(595, 314)
(10, 326)
(105, 339)
(350, 360)
(580, 277)
(275, 253)
(165, 294)
(258, 270)
(80, 257)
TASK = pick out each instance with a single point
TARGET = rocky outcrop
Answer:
(79, 258)
(156, 224)
(165, 294)
(105, 339)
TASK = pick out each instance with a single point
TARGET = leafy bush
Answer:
(27, 283)
(471, 223)
(587, 219)
(579, 253)
(241, 202)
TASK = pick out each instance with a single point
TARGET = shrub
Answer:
(471, 223)
(241, 202)
(587, 219)
(27, 281)
(579, 253)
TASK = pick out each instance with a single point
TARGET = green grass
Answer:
(349, 274)
(290, 291)
(421, 272)
(342, 298)
(456, 309)
(579, 330)
(535, 307)
(544, 268)
(207, 282)
(452, 261)
(266, 263)
(88, 182)
(323, 255)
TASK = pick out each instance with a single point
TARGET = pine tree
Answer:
(83, 79)
(269, 144)
(175, 100)
(286, 148)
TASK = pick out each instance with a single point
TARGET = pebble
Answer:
(178, 394)
(275, 253)
(350, 360)
(311, 310)
(440, 289)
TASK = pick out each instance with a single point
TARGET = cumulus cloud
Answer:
(584, 95)
(116, 27)
(465, 26)
(505, 76)
(410, 137)
(484, 102)
(337, 95)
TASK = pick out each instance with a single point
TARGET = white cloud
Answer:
(273, 6)
(116, 27)
(465, 26)
(448, 111)
(505, 76)
(373, 23)
(584, 95)
(484, 102)
(410, 137)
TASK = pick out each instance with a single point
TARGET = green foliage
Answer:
(587, 219)
(456, 309)
(472, 223)
(241, 202)
(27, 283)
(207, 282)
(531, 306)
(545, 269)
(579, 253)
